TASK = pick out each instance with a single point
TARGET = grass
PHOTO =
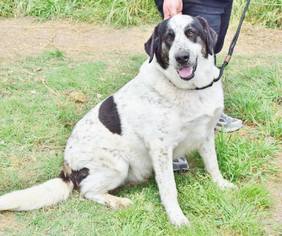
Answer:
(265, 13)
(117, 12)
(124, 12)
(38, 109)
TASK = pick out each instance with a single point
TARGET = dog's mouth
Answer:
(186, 72)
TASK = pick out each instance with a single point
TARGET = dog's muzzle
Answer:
(186, 69)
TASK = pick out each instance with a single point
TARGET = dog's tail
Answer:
(45, 194)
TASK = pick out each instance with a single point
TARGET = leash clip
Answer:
(227, 59)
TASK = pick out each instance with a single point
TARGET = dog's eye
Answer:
(189, 33)
(170, 36)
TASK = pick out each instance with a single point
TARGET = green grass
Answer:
(117, 12)
(124, 12)
(265, 13)
(37, 114)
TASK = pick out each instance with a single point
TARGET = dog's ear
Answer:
(210, 36)
(152, 44)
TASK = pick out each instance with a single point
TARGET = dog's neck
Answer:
(206, 72)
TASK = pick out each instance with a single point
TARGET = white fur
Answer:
(207, 69)
(46, 194)
(161, 119)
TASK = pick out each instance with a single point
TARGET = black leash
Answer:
(231, 48)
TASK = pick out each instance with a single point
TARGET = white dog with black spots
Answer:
(159, 115)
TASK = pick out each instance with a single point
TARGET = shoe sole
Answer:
(228, 130)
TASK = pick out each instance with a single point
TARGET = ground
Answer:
(82, 39)
(40, 63)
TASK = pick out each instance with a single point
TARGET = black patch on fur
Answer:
(154, 46)
(108, 115)
(76, 176)
(201, 28)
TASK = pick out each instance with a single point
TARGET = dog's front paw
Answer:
(225, 184)
(179, 220)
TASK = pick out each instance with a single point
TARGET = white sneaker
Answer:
(228, 124)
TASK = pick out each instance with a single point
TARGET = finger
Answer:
(180, 6)
(166, 13)
(166, 16)
(173, 12)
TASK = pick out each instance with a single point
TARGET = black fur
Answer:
(191, 33)
(76, 176)
(108, 115)
(206, 33)
(154, 46)
(162, 35)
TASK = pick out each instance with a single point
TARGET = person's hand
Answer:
(172, 7)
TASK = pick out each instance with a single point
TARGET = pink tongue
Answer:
(185, 72)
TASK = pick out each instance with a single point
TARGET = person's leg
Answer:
(226, 123)
(159, 4)
(225, 18)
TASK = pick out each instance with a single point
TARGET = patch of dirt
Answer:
(23, 37)
(256, 40)
(274, 185)
(8, 221)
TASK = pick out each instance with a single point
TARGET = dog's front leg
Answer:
(162, 163)
(208, 154)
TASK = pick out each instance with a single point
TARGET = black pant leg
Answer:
(159, 4)
(225, 19)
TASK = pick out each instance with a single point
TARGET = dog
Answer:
(159, 115)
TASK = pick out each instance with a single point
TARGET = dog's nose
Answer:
(182, 58)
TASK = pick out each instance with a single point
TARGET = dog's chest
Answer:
(196, 116)
(198, 119)
(170, 116)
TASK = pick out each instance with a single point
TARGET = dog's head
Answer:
(180, 44)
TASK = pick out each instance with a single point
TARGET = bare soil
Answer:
(8, 221)
(274, 186)
(23, 37)
(26, 37)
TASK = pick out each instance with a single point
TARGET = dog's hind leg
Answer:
(97, 185)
